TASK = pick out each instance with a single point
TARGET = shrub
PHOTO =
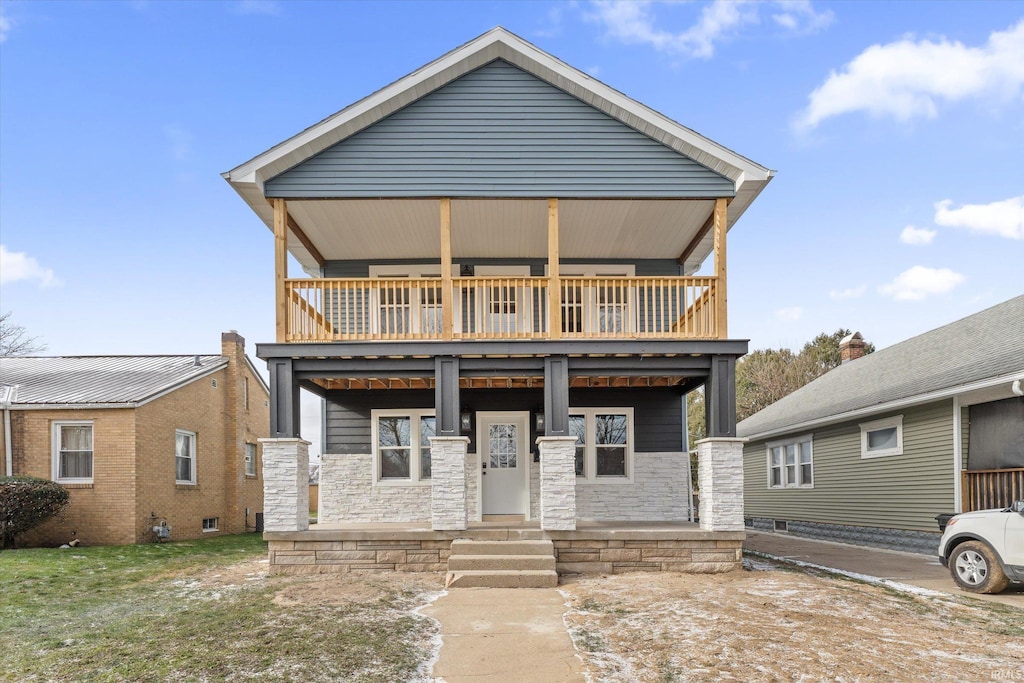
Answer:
(25, 503)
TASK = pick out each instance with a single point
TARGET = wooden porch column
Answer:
(447, 302)
(280, 266)
(554, 281)
(721, 300)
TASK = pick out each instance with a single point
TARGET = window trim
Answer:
(414, 415)
(784, 482)
(246, 461)
(195, 457)
(589, 475)
(878, 425)
(55, 441)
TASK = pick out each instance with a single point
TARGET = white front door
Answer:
(503, 442)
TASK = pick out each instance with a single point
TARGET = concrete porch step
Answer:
(500, 562)
(547, 578)
(465, 546)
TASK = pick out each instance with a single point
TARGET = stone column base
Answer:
(557, 482)
(448, 509)
(285, 484)
(720, 478)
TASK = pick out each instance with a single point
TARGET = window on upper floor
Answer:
(184, 457)
(604, 442)
(72, 451)
(880, 438)
(791, 463)
(401, 441)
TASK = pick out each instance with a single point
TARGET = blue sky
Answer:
(897, 130)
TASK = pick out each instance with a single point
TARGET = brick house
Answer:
(503, 314)
(139, 440)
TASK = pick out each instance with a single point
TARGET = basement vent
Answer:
(781, 525)
(748, 521)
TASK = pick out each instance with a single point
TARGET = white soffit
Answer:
(366, 229)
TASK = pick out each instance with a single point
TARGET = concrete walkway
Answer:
(504, 634)
(924, 571)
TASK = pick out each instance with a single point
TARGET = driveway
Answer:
(910, 568)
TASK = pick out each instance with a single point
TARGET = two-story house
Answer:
(503, 318)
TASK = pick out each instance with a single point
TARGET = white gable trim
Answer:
(496, 43)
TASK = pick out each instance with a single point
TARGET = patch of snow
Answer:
(425, 671)
(889, 583)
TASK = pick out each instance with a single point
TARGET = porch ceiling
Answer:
(346, 229)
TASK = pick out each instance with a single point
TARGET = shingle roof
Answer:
(982, 346)
(70, 380)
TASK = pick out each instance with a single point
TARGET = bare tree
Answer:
(14, 339)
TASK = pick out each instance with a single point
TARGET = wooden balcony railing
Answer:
(989, 489)
(500, 308)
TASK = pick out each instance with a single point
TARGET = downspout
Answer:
(8, 451)
(958, 456)
(686, 452)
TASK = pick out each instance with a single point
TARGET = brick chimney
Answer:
(851, 347)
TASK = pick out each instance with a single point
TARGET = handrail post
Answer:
(554, 281)
(721, 224)
(281, 267)
(447, 317)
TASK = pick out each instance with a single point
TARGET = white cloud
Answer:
(5, 26)
(920, 282)
(266, 7)
(909, 78)
(799, 16)
(634, 22)
(916, 236)
(791, 314)
(1004, 218)
(848, 293)
(16, 266)
(180, 140)
(552, 27)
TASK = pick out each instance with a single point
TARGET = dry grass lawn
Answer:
(769, 623)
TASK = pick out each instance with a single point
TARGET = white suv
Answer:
(984, 550)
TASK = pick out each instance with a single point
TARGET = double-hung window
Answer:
(791, 463)
(72, 452)
(882, 437)
(184, 457)
(401, 441)
(604, 442)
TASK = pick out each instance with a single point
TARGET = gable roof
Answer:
(981, 350)
(112, 381)
(748, 177)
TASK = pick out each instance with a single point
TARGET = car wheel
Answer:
(975, 568)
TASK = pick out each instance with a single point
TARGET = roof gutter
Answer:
(891, 405)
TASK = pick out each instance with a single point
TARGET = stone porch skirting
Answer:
(608, 548)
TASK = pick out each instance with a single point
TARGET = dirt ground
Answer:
(767, 623)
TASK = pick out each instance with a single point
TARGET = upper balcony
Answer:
(498, 154)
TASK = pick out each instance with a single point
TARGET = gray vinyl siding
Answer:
(499, 131)
(644, 267)
(898, 492)
(657, 412)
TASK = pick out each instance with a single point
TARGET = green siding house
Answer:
(872, 451)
